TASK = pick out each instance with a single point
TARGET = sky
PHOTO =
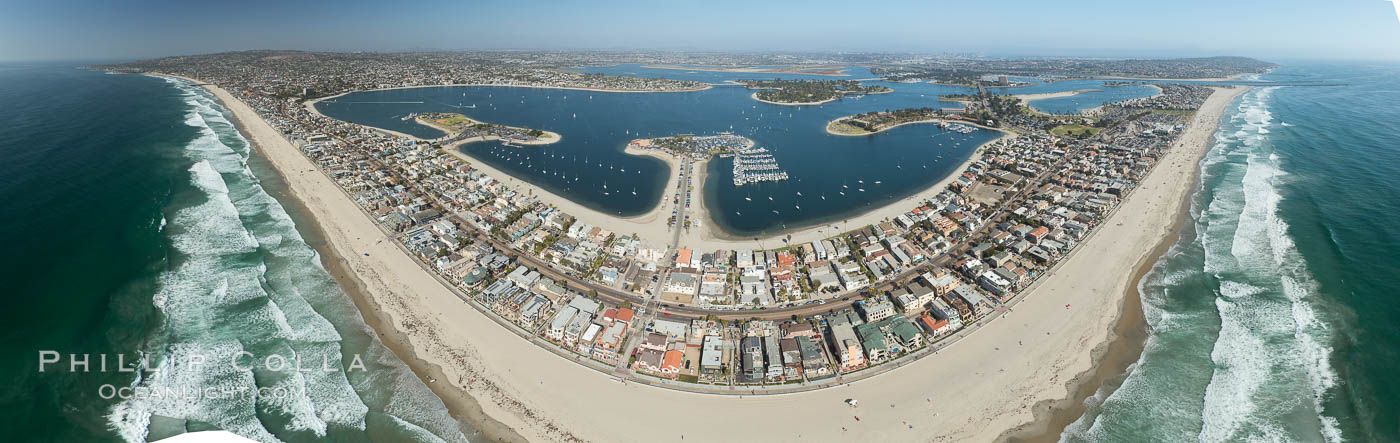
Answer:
(102, 30)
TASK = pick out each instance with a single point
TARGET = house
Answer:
(874, 312)
(814, 362)
(712, 356)
(751, 369)
(671, 363)
(523, 277)
(670, 328)
(654, 341)
(792, 357)
(649, 361)
(773, 356)
(683, 283)
(873, 340)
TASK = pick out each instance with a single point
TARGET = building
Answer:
(845, 346)
(773, 357)
(874, 312)
(683, 283)
(751, 369)
(712, 356)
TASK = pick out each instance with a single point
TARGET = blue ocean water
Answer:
(1273, 317)
(136, 226)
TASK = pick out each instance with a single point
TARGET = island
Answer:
(808, 92)
(880, 121)
(461, 128)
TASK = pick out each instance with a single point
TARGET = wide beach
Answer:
(1006, 367)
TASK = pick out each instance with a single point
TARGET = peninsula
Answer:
(488, 288)
(462, 129)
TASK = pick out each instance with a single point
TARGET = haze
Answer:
(93, 30)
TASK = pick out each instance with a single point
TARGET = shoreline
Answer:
(461, 406)
(1044, 95)
(1113, 359)
(712, 237)
(406, 299)
(829, 124)
(839, 96)
(648, 225)
(566, 88)
(548, 138)
(840, 71)
(755, 97)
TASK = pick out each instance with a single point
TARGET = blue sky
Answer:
(1281, 29)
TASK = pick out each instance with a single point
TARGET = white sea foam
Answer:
(1264, 339)
(221, 296)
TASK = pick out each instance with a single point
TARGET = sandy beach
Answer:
(972, 390)
(931, 120)
(651, 226)
(1044, 95)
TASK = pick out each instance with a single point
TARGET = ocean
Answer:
(137, 225)
(1272, 317)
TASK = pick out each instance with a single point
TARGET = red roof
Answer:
(624, 315)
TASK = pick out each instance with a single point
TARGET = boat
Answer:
(877, 182)
(861, 189)
(770, 198)
(799, 194)
(843, 192)
(823, 196)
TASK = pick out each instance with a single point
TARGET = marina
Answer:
(756, 165)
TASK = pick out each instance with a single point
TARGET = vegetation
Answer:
(809, 91)
(1075, 130)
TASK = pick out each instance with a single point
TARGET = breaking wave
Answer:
(243, 287)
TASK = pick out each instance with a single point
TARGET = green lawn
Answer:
(1073, 130)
